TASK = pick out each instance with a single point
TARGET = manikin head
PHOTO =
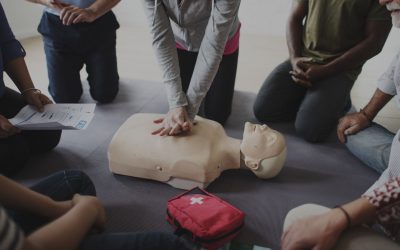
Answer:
(263, 150)
(394, 7)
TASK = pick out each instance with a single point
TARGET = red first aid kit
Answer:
(208, 220)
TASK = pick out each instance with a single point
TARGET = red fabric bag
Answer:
(208, 220)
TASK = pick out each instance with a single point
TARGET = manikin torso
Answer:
(185, 161)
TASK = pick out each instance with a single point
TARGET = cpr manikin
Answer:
(196, 158)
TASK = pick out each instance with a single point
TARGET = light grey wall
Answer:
(258, 16)
(23, 17)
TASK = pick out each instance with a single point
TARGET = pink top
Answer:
(231, 45)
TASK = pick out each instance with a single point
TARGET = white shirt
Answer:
(389, 83)
(11, 236)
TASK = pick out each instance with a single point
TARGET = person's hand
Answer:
(93, 202)
(351, 124)
(315, 72)
(300, 79)
(298, 72)
(6, 128)
(175, 122)
(317, 232)
(73, 15)
(36, 98)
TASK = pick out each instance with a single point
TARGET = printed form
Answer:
(55, 117)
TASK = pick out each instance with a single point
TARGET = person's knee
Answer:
(12, 166)
(105, 95)
(312, 131)
(353, 142)
(219, 116)
(258, 110)
(80, 182)
(263, 113)
(14, 153)
(65, 96)
(301, 212)
(51, 140)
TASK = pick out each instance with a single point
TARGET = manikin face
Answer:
(394, 7)
(260, 143)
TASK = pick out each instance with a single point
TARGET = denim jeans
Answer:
(62, 186)
(69, 48)
(16, 150)
(372, 146)
(315, 110)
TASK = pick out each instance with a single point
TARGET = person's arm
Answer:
(17, 197)
(376, 32)
(323, 231)
(68, 231)
(355, 122)
(167, 56)
(224, 14)
(54, 4)
(294, 40)
(70, 14)
(73, 15)
(19, 74)
(12, 54)
(73, 218)
(294, 28)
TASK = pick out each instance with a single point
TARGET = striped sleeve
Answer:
(11, 236)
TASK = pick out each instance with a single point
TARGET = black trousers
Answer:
(315, 110)
(16, 150)
(217, 104)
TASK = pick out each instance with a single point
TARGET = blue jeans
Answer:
(69, 48)
(372, 146)
(62, 186)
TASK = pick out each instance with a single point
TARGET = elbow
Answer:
(376, 49)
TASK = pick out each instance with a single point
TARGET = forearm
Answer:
(19, 74)
(354, 57)
(361, 211)
(165, 50)
(17, 197)
(377, 102)
(294, 36)
(371, 45)
(294, 29)
(100, 7)
(42, 2)
(224, 20)
(66, 232)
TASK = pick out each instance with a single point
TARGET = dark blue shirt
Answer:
(10, 48)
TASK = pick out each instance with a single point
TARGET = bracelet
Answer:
(365, 114)
(348, 219)
(31, 89)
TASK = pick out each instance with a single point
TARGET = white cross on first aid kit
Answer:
(198, 200)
